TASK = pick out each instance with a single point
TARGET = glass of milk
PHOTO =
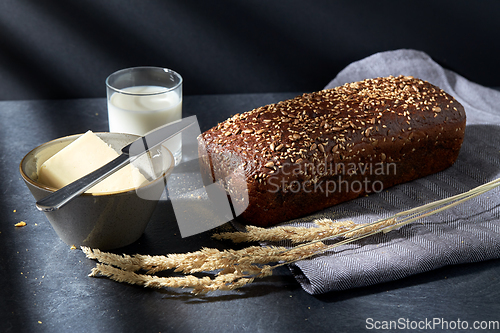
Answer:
(141, 99)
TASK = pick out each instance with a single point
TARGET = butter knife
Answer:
(129, 153)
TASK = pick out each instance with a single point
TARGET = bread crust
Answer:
(292, 158)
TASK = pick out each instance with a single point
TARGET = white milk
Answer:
(139, 114)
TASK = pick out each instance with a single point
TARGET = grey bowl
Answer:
(102, 220)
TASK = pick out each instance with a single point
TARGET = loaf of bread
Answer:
(290, 159)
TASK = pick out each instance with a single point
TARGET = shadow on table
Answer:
(162, 237)
(275, 284)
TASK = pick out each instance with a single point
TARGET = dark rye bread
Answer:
(295, 157)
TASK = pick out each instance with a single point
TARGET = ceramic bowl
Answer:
(102, 220)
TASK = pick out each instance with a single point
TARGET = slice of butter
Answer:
(82, 156)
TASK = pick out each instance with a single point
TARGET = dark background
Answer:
(66, 49)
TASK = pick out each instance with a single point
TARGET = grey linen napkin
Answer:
(469, 232)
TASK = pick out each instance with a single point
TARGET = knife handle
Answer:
(62, 196)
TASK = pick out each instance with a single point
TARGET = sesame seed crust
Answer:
(382, 120)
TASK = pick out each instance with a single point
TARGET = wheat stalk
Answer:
(233, 269)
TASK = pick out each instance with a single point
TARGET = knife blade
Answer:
(129, 153)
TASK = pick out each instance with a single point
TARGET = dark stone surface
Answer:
(45, 287)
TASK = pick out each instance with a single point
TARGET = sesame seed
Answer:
(269, 164)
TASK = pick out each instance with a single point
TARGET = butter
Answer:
(81, 157)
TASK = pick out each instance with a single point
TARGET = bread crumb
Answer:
(20, 224)
(73, 247)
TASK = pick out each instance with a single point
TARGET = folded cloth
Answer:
(469, 232)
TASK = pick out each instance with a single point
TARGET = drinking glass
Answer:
(141, 99)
